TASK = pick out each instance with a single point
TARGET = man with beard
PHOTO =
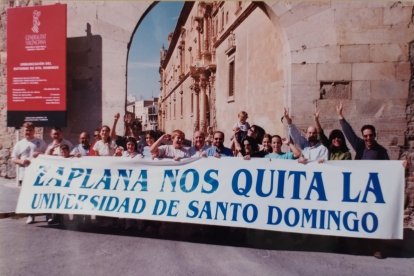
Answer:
(218, 149)
(312, 148)
(83, 148)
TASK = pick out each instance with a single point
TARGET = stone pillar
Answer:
(199, 44)
(203, 103)
(212, 101)
(196, 107)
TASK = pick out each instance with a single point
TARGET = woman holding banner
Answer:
(277, 152)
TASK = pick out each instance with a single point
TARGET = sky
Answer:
(144, 56)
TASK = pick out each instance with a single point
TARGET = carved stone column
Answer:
(196, 88)
(199, 29)
(212, 102)
(203, 102)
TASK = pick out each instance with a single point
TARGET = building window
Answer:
(231, 79)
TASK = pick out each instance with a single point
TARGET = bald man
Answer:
(312, 149)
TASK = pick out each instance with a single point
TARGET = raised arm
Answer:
(113, 129)
(236, 145)
(295, 151)
(350, 134)
(318, 124)
(322, 137)
(154, 147)
(294, 132)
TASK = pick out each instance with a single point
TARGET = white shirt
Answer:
(105, 149)
(56, 150)
(243, 126)
(168, 151)
(24, 149)
(79, 149)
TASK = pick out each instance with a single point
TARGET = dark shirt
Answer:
(376, 152)
(261, 153)
(222, 151)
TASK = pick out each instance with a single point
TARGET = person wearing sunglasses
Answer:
(336, 143)
(96, 138)
(367, 147)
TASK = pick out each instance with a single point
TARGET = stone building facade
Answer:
(224, 57)
(295, 54)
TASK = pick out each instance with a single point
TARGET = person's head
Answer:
(131, 144)
(210, 130)
(64, 150)
(312, 135)
(337, 140)
(243, 116)
(177, 137)
(56, 134)
(105, 133)
(277, 144)
(97, 134)
(136, 128)
(199, 139)
(252, 131)
(29, 130)
(267, 142)
(150, 136)
(369, 135)
(84, 138)
(218, 139)
(128, 117)
(248, 146)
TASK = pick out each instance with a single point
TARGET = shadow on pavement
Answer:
(239, 237)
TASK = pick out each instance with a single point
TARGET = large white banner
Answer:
(340, 198)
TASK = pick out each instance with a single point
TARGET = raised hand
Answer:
(286, 116)
(285, 141)
(339, 109)
(316, 114)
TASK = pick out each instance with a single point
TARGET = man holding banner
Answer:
(24, 151)
(366, 149)
(218, 149)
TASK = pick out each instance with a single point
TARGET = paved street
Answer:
(181, 249)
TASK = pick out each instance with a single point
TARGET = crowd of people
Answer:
(248, 141)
